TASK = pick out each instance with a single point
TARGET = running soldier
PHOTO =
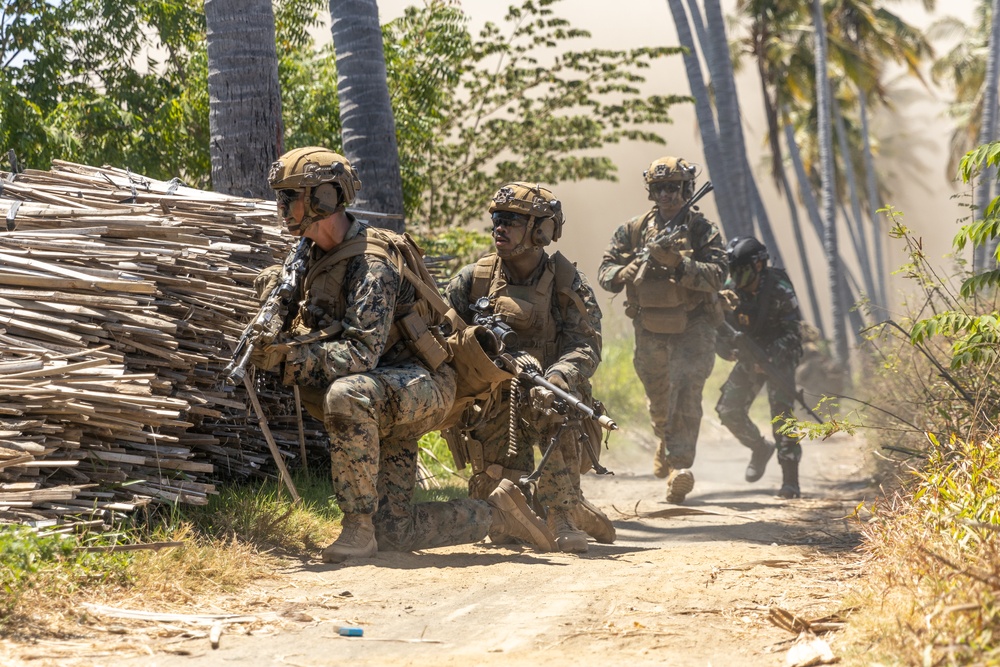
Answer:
(554, 311)
(767, 313)
(357, 351)
(671, 271)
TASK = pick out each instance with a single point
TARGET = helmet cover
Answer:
(538, 204)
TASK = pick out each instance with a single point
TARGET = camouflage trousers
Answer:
(559, 483)
(673, 369)
(739, 392)
(374, 420)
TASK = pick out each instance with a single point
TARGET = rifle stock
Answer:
(748, 345)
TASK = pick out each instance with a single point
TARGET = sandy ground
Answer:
(675, 589)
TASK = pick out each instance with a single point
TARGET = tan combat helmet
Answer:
(327, 178)
(538, 204)
(668, 169)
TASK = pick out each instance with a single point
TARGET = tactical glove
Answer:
(628, 272)
(669, 257)
(268, 358)
(266, 281)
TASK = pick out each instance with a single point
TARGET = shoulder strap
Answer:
(482, 276)
(636, 225)
(565, 272)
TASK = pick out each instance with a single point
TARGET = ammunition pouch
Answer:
(422, 341)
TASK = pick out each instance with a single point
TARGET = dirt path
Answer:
(674, 590)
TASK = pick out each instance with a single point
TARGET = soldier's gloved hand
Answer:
(556, 379)
(267, 280)
(628, 272)
(670, 257)
(730, 299)
(268, 358)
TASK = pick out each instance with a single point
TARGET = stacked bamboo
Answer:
(121, 298)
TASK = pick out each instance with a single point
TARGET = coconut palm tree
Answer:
(827, 176)
(244, 95)
(369, 131)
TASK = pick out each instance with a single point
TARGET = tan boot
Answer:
(356, 540)
(679, 484)
(569, 538)
(594, 522)
(512, 518)
(660, 466)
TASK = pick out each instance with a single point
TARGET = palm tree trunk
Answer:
(873, 204)
(988, 129)
(800, 244)
(730, 122)
(244, 96)
(855, 222)
(839, 308)
(369, 131)
(763, 222)
(706, 119)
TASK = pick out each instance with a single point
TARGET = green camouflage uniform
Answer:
(673, 367)
(772, 320)
(574, 351)
(376, 400)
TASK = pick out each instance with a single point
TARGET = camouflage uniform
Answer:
(376, 399)
(673, 366)
(567, 342)
(771, 318)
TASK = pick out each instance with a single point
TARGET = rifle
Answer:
(748, 345)
(670, 234)
(526, 369)
(265, 327)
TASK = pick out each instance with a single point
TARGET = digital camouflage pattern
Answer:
(673, 367)
(772, 319)
(375, 402)
(575, 355)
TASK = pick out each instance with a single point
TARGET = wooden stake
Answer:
(302, 427)
(272, 445)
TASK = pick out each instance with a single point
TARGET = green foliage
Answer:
(30, 560)
(82, 83)
(439, 479)
(530, 107)
(471, 113)
(263, 515)
(86, 82)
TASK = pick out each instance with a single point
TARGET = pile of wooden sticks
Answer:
(120, 300)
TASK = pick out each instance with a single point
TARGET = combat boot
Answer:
(679, 484)
(660, 466)
(569, 538)
(356, 540)
(512, 518)
(759, 456)
(594, 522)
(789, 480)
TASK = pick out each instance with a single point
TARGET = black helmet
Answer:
(744, 252)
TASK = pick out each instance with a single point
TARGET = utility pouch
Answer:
(664, 320)
(422, 341)
(514, 311)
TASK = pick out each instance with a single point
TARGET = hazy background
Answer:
(913, 142)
